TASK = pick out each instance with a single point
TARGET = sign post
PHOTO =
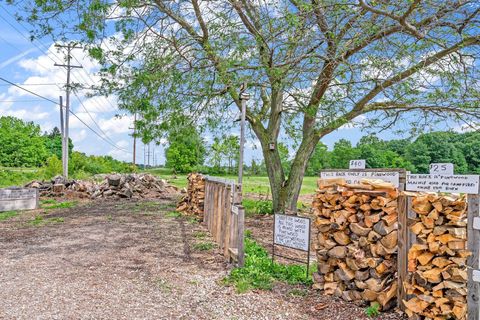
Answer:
(292, 232)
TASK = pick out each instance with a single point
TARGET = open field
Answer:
(133, 260)
(252, 184)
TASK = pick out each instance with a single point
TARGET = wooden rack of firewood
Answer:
(357, 241)
(439, 252)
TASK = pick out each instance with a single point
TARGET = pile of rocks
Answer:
(136, 186)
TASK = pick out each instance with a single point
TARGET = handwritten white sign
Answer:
(357, 164)
(441, 168)
(355, 177)
(443, 183)
(292, 231)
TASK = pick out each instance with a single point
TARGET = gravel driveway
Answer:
(129, 260)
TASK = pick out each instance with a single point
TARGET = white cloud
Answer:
(78, 135)
(117, 125)
(16, 58)
(354, 123)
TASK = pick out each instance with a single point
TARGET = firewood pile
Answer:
(136, 186)
(193, 202)
(357, 241)
(437, 282)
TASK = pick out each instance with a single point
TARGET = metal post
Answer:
(62, 132)
(134, 138)
(244, 97)
(69, 67)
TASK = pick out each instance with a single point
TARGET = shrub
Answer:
(53, 167)
(260, 272)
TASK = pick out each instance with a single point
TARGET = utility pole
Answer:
(134, 137)
(62, 132)
(69, 67)
(144, 156)
(148, 154)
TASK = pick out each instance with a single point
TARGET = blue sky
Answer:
(31, 65)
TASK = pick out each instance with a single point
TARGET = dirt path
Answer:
(130, 260)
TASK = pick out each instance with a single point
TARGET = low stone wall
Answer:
(18, 199)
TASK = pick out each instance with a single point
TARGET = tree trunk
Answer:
(285, 192)
(297, 170)
(276, 177)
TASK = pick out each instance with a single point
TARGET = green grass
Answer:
(373, 310)
(203, 246)
(41, 221)
(260, 273)
(48, 201)
(7, 215)
(200, 234)
(18, 176)
(251, 184)
(173, 214)
(257, 206)
(58, 205)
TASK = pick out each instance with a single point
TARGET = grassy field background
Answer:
(251, 184)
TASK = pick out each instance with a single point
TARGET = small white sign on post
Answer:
(441, 168)
(443, 183)
(357, 164)
(354, 177)
(292, 232)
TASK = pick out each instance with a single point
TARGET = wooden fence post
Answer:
(402, 257)
(241, 238)
(473, 286)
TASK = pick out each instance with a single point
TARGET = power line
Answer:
(93, 120)
(29, 91)
(32, 84)
(25, 100)
(73, 113)
(47, 49)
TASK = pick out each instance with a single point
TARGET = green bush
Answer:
(260, 273)
(10, 178)
(257, 206)
(53, 167)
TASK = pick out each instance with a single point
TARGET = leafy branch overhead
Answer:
(311, 66)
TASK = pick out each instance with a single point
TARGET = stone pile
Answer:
(136, 186)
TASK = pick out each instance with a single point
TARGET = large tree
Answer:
(311, 66)
(21, 143)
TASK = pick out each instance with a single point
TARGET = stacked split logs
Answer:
(357, 241)
(193, 202)
(437, 283)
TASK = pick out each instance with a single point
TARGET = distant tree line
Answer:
(461, 149)
(22, 144)
(415, 155)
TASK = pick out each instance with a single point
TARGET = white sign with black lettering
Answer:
(441, 168)
(352, 177)
(357, 164)
(292, 231)
(443, 183)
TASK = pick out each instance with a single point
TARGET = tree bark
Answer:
(297, 171)
(276, 176)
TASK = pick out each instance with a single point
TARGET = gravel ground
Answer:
(131, 260)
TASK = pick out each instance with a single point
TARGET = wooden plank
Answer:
(241, 237)
(228, 216)
(223, 218)
(411, 215)
(218, 213)
(206, 205)
(473, 297)
(402, 260)
(233, 231)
